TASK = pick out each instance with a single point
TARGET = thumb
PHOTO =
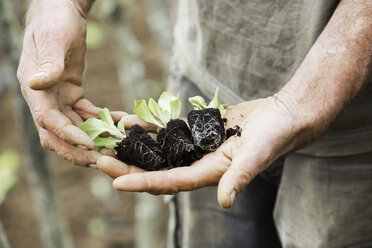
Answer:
(50, 68)
(241, 172)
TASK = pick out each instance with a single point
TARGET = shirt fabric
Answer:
(250, 49)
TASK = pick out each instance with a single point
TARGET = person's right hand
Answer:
(50, 73)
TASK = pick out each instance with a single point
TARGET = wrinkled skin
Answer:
(50, 73)
(335, 69)
(266, 126)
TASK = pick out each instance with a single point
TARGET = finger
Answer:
(74, 117)
(107, 152)
(204, 172)
(244, 167)
(131, 120)
(57, 123)
(115, 168)
(69, 152)
(117, 115)
(86, 109)
(52, 48)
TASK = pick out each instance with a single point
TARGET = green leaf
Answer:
(105, 115)
(198, 102)
(94, 127)
(108, 142)
(222, 108)
(159, 113)
(154, 108)
(176, 107)
(143, 111)
(164, 101)
(214, 102)
(121, 126)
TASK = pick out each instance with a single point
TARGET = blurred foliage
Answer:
(95, 35)
(96, 227)
(9, 163)
(101, 187)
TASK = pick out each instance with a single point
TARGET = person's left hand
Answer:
(269, 129)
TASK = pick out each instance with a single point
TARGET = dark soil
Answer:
(233, 131)
(176, 142)
(207, 128)
(139, 149)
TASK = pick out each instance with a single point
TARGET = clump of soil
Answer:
(139, 149)
(176, 142)
(233, 131)
(173, 147)
(207, 128)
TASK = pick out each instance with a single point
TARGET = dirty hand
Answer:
(50, 73)
(269, 129)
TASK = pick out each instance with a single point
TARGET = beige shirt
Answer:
(251, 48)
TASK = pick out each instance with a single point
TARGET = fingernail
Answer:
(116, 183)
(82, 147)
(93, 166)
(232, 197)
(39, 74)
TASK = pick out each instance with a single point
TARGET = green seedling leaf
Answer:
(176, 107)
(165, 99)
(158, 112)
(105, 115)
(143, 111)
(121, 126)
(108, 142)
(222, 108)
(94, 127)
(214, 102)
(198, 102)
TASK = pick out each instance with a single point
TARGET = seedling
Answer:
(174, 136)
(176, 144)
(206, 123)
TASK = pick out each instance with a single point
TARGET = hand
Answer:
(50, 73)
(269, 129)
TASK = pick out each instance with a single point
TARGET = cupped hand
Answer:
(268, 131)
(50, 73)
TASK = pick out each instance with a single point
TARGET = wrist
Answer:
(306, 122)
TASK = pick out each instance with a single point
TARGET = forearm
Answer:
(333, 72)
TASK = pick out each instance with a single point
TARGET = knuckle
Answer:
(45, 142)
(67, 156)
(40, 118)
(57, 64)
(246, 177)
